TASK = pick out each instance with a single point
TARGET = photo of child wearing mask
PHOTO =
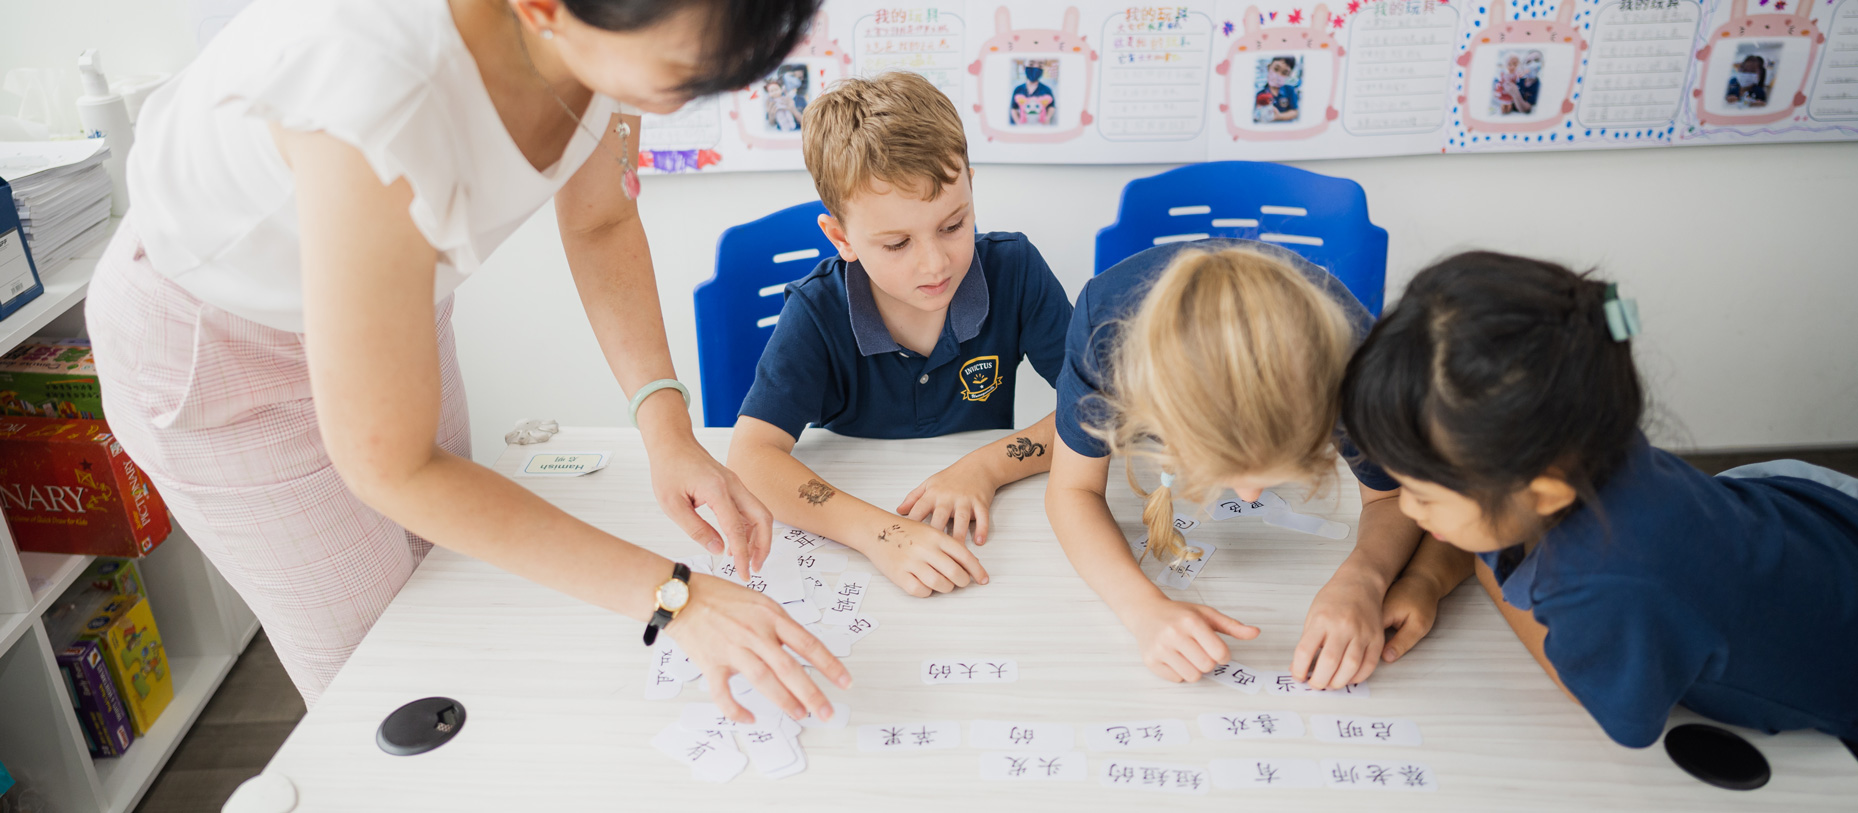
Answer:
(784, 93)
(1034, 100)
(1277, 86)
(1748, 85)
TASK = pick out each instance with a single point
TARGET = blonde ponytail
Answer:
(1231, 365)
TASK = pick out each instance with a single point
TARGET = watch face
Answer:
(672, 595)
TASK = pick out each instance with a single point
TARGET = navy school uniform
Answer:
(1732, 596)
(1115, 295)
(832, 363)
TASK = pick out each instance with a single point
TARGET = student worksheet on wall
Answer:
(1094, 81)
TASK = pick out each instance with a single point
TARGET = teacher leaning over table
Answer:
(273, 320)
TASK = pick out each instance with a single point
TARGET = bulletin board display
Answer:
(1056, 82)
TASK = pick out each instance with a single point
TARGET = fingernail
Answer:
(825, 712)
(844, 681)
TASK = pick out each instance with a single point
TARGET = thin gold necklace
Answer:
(629, 181)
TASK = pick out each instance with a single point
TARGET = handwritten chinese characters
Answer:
(1141, 734)
(1038, 766)
(970, 670)
(1265, 774)
(1364, 730)
(999, 735)
(1251, 725)
(899, 737)
(1158, 777)
(1356, 774)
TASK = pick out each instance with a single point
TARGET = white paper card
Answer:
(996, 734)
(1040, 766)
(1235, 675)
(704, 717)
(660, 683)
(1159, 777)
(1251, 725)
(711, 758)
(1140, 734)
(909, 737)
(1234, 507)
(671, 658)
(843, 601)
(1362, 774)
(563, 464)
(1364, 730)
(1283, 683)
(774, 755)
(813, 562)
(856, 629)
(801, 611)
(970, 670)
(1265, 774)
(1181, 574)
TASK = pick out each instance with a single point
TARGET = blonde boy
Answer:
(915, 329)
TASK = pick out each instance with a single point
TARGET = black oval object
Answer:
(1717, 756)
(420, 726)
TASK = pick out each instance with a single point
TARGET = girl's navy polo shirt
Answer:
(1732, 596)
(1115, 294)
(831, 361)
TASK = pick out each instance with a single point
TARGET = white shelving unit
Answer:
(204, 625)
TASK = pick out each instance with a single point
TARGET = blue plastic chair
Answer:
(737, 308)
(1324, 219)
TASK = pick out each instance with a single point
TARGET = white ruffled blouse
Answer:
(214, 202)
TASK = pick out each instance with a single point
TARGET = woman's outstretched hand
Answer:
(728, 629)
(685, 477)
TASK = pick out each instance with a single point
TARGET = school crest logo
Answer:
(980, 376)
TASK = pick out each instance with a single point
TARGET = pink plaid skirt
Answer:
(216, 409)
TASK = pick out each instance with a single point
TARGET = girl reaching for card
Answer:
(1218, 362)
(1501, 393)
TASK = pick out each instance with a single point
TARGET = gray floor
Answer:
(255, 709)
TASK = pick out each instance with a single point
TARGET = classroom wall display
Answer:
(1094, 81)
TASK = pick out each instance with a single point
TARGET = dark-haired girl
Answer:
(1501, 393)
(273, 325)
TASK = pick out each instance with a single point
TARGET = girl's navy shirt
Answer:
(1735, 597)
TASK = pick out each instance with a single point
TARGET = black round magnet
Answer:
(420, 726)
(1717, 756)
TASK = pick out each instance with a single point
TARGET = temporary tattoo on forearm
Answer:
(894, 535)
(816, 492)
(1023, 448)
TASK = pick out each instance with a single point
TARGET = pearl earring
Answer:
(548, 34)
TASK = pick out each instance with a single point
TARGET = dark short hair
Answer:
(748, 38)
(1490, 371)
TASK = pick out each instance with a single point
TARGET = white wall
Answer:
(1744, 259)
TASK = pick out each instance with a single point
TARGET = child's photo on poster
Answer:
(1275, 88)
(784, 93)
(1518, 85)
(1751, 75)
(1035, 93)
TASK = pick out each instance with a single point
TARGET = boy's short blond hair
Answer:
(895, 127)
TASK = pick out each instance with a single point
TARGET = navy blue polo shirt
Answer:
(831, 361)
(1732, 596)
(1115, 294)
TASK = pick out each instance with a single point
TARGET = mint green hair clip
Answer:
(1167, 480)
(1622, 315)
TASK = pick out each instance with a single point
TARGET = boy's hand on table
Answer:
(1411, 607)
(1180, 641)
(953, 498)
(728, 629)
(1344, 625)
(921, 559)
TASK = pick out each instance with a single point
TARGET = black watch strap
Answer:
(662, 616)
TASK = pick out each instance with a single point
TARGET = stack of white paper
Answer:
(63, 195)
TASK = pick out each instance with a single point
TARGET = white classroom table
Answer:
(556, 719)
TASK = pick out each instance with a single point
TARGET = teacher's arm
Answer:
(612, 267)
(374, 373)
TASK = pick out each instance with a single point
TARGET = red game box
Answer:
(67, 487)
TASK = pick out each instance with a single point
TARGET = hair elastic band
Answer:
(1622, 315)
(1167, 480)
(646, 391)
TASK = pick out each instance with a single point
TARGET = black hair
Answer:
(1490, 371)
(1289, 61)
(748, 38)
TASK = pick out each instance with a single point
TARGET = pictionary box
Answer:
(67, 487)
(50, 378)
